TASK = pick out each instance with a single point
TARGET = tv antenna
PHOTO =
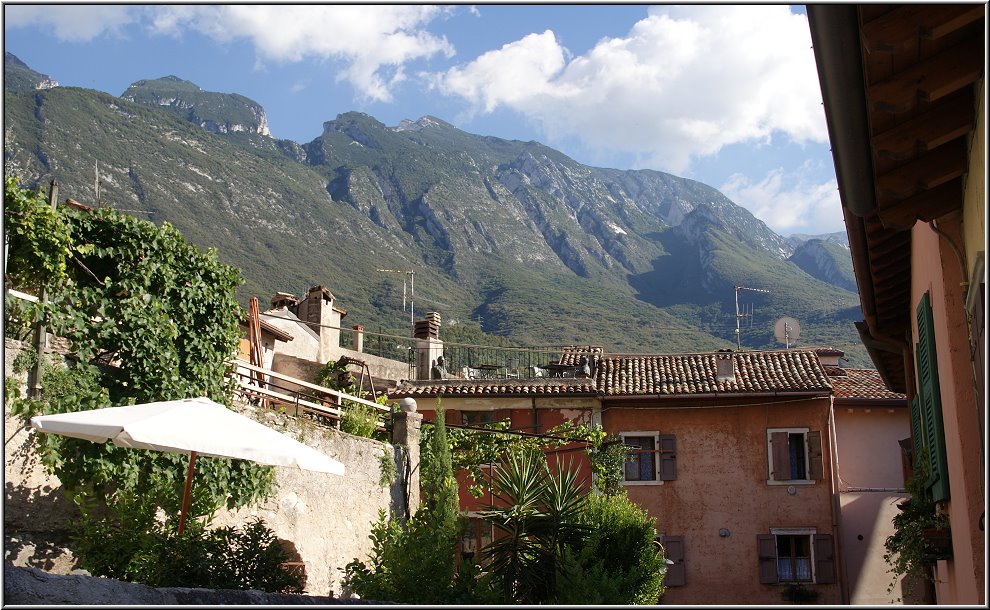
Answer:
(786, 330)
(411, 275)
(744, 314)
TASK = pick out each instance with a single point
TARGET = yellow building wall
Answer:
(974, 203)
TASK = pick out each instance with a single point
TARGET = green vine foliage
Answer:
(38, 238)
(149, 317)
(356, 418)
(470, 449)
(905, 550)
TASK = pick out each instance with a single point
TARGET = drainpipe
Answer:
(837, 506)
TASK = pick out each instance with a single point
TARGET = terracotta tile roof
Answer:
(641, 375)
(860, 384)
(495, 387)
(686, 374)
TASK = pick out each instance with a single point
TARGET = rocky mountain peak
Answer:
(216, 112)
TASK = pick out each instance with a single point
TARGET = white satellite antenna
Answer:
(786, 330)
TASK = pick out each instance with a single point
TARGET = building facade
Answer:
(904, 92)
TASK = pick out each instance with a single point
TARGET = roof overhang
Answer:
(899, 85)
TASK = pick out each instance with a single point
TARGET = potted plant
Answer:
(921, 536)
(796, 593)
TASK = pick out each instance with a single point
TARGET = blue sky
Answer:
(727, 95)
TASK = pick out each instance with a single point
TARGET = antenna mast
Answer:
(412, 292)
(740, 315)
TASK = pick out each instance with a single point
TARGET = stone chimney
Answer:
(319, 310)
(284, 299)
(428, 344)
(357, 338)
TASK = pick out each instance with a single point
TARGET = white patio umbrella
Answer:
(192, 426)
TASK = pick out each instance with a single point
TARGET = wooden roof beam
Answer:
(901, 27)
(927, 131)
(925, 206)
(930, 80)
(928, 171)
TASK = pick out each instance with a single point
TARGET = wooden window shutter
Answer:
(767, 546)
(931, 403)
(677, 571)
(668, 457)
(824, 559)
(781, 456)
(816, 466)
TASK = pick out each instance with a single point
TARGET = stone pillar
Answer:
(406, 426)
(357, 338)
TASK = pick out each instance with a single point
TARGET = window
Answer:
(794, 455)
(650, 457)
(477, 418)
(477, 535)
(796, 556)
(793, 558)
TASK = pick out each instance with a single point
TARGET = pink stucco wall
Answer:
(722, 472)
(935, 267)
(871, 483)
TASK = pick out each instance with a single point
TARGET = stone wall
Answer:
(326, 518)
(31, 586)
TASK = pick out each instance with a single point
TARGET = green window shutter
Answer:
(917, 436)
(931, 402)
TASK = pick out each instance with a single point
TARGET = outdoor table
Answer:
(560, 370)
(488, 371)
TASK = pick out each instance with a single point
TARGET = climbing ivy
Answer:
(149, 317)
(470, 449)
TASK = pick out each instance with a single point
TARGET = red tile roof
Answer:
(687, 374)
(860, 384)
(495, 387)
(641, 375)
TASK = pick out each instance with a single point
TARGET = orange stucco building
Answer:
(732, 452)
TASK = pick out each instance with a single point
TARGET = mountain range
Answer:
(506, 239)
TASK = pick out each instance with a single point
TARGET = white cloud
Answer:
(71, 23)
(683, 83)
(374, 41)
(789, 202)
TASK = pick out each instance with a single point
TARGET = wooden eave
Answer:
(899, 85)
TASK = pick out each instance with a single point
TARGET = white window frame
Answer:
(655, 434)
(807, 480)
(800, 531)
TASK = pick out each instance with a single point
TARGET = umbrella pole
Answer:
(185, 494)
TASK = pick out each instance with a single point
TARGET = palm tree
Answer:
(537, 515)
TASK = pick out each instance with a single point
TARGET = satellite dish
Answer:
(787, 330)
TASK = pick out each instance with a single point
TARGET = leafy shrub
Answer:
(619, 563)
(412, 560)
(358, 419)
(128, 543)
